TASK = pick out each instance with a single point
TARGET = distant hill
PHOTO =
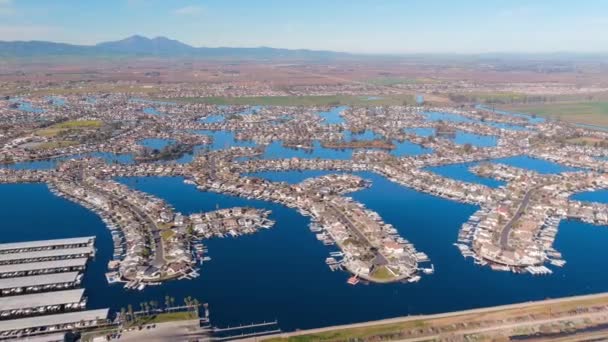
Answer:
(138, 46)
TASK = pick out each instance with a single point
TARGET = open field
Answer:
(56, 129)
(589, 113)
(88, 89)
(55, 144)
(556, 316)
(302, 100)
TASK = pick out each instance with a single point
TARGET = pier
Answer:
(39, 288)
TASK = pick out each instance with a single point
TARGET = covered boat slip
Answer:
(38, 280)
(37, 300)
(15, 247)
(59, 322)
(42, 267)
(45, 255)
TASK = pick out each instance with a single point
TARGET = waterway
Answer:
(280, 273)
(26, 106)
(531, 118)
(461, 171)
(47, 164)
(599, 196)
(460, 137)
(332, 117)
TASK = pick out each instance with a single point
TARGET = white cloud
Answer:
(188, 10)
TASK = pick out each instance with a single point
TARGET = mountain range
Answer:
(139, 46)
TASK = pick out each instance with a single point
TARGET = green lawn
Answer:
(333, 100)
(589, 113)
(353, 334)
(56, 129)
(166, 317)
(383, 273)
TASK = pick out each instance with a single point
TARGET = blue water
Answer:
(451, 117)
(599, 196)
(460, 138)
(213, 119)
(152, 111)
(140, 100)
(478, 140)
(506, 126)
(47, 164)
(530, 118)
(250, 110)
(156, 143)
(461, 172)
(539, 165)
(276, 150)
(56, 101)
(424, 132)
(26, 106)
(224, 139)
(408, 148)
(280, 273)
(332, 117)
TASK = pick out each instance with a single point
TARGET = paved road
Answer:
(159, 253)
(169, 331)
(504, 234)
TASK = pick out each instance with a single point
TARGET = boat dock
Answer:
(39, 303)
(39, 292)
(17, 328)
(38, 283)
(46, 255)
(43, 267)
(42, 245)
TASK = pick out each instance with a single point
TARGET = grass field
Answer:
(302, 100)
(56, 129)
(451, 324)
(589, 113)
(167, 317)
(55, 144)
(353, 334)
(89, 89)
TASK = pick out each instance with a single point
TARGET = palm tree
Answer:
(167, 302)
(130, 311)
(123, 314)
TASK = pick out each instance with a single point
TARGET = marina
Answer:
(314, 195)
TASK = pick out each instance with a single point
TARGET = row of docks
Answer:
(45, 245)
(39, 288)
(42, 267)
(47, 255)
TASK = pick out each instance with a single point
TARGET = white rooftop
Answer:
(36, 300)
(46, 243)
(7, 257)
(38, 280)
(50, 320)
(42, 265)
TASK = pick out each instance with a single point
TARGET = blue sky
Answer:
(368, 26)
